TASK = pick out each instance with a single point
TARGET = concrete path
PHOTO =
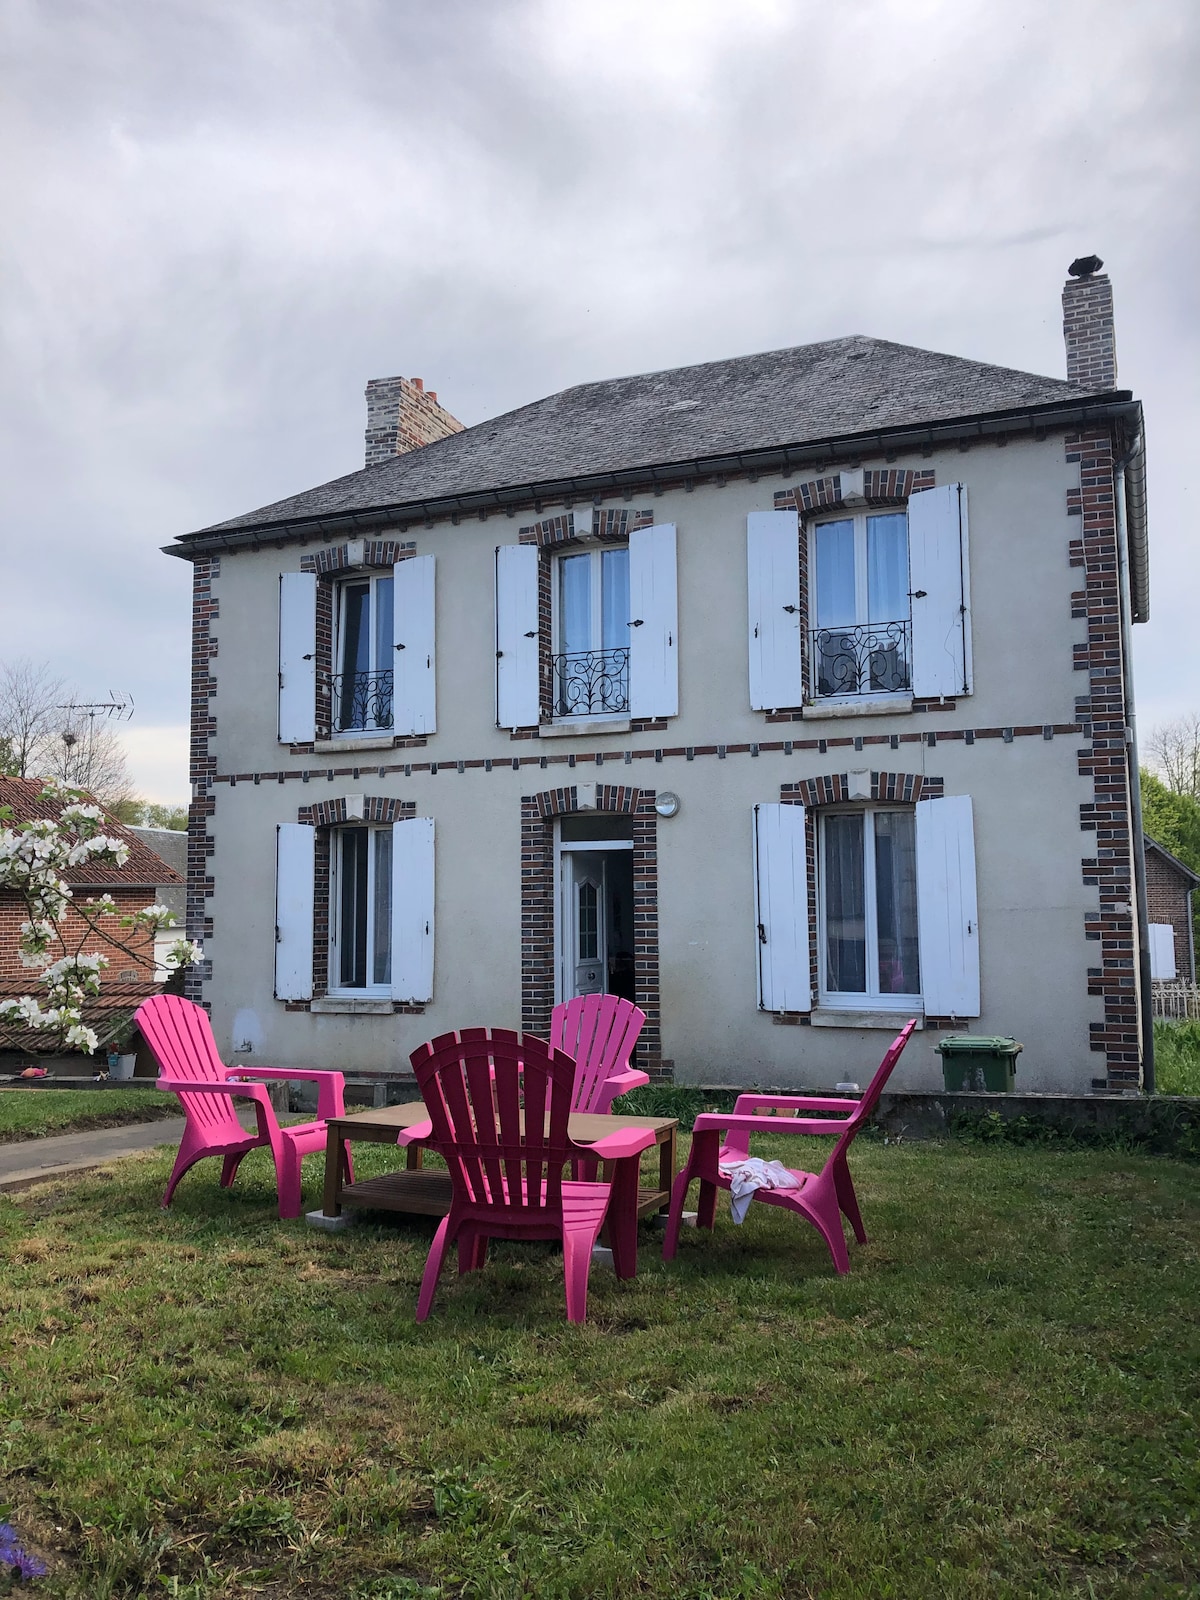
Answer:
(30, 1160)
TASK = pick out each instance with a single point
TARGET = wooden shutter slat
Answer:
(297, 657)
(295, 853)
(653, 622)
(781, 908)
(947, 906)
(412, 909)
(517, 626)
(939, 580)
(414, 697)
(773, 584)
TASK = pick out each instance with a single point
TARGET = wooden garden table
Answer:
(426, 1191)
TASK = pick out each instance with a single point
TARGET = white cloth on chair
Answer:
(750, 1174)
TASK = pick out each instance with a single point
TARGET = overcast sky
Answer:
(224, 216)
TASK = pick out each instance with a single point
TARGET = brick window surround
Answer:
(539, 905)
(325, 815)
(331, 565)
(558, 533)
(833, 789)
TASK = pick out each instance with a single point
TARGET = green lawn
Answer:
(34, 1113)
(1177, 1057)
(999, 1400)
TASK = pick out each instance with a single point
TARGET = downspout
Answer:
(1138, 841)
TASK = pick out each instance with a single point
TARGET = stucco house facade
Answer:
(787, 695)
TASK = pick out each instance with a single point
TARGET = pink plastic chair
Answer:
(180, 1036)
(599, 1031)
(823, 1197)
(499, 1105)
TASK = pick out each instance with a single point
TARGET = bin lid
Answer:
(962, 1044)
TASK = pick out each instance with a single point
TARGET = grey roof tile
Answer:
(780, 397)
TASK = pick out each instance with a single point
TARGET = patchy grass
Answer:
(35, 1113)
(1177, 1057)
(1000, 1400)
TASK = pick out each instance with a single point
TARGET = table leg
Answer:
(335, 1156)
(666, 1171)
(622, 1216)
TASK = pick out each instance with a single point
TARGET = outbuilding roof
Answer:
(803, 395)
(143, 870)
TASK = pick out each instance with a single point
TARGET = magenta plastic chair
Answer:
(180, 1036)
(599, 1031)
(499, 1105)
(823, 1197)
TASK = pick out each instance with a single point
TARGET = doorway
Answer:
(594, 921)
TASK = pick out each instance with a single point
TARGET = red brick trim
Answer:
(538, 909)
(1102, 758)
(325, 815)
(202, 769)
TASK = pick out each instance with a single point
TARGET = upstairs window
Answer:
(591, 652)
(861, 631)
(361, 681)
(361, 907)
(867, 919)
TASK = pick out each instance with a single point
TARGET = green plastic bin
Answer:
(974, 1062)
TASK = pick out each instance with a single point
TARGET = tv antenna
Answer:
(115, 708)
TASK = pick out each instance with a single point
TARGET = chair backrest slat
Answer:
(870, 1099)
(180, 1038)
(600, 1031)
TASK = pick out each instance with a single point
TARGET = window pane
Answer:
(887, 567)
(384, 635)
(845, 905)
(352, 897)
(356, 660)
(614, 567)
(381, 907)
(896, 902)
(575, 602)
(589, 922)
(835, 574)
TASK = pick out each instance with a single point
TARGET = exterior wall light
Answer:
(666, 803)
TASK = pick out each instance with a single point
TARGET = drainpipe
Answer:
(1135, 787)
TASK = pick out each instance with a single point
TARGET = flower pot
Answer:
(121, 1066)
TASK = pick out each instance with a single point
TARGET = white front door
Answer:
(584, 903)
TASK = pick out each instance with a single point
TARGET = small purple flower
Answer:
(12, 1554)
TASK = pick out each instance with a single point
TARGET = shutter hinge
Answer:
(532, 634)
(791, 610)
(306, 658)
(278, 935)
(917, 594)
(399, 647)
(762, 934)
(639, 623)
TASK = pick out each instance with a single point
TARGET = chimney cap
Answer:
(1085, 266)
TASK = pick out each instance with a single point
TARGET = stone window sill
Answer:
(584, 727)
(892, 1021)
(862, 706)
(374, 742)
(351, 1006)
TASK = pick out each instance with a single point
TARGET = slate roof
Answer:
(143, 870)
(804, 395)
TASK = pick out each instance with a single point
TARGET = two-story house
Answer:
(788, 695)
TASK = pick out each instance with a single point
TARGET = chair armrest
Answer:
(714, 1121)
(419, 1132)
(245, 1091)
(619, 1144)
(331, 1086)
(791, 1102)
(622, 1082)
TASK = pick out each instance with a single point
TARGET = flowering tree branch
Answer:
(34, 858)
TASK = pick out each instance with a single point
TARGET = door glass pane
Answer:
(384, 635)
(896, 902)
(887, 567)
(845, 905)
(356, 654)
(835, 574)
(588, 922)
(575, 602)
(352, 897)
(614, 567)
(381, 965)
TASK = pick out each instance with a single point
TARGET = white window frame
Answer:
(335, 986)
(380, 653)
(595, 553)
(858, 517)
(872, 999)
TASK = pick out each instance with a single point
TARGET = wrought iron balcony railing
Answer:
(862, 658)
(591, 683)
(361, 701)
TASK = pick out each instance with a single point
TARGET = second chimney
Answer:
(1088, 326)
(403, 415)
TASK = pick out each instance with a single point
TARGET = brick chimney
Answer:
(403, 416)
(1088, 326)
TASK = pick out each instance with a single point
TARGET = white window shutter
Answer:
(941, 593)
(1162, 952)
(947, 909)
(781, 908)
(517, 701)
(773, 574)
(653, 622)
(297, 657)
(412, 909)
(294, 891)
(414, 681)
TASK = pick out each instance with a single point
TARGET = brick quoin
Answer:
(202, 769)
(17, 979)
